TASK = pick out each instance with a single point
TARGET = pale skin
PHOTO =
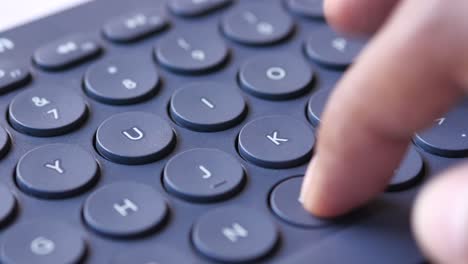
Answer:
(413, 71)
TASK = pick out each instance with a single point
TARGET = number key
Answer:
(190, 52)
(191, 8)
(449, 134)
(118, 81)
(257, 24)
(330, 49)
(13, 76)
(66, 52)
(47, 112)
(134, 26)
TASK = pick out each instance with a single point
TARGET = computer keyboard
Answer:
(143, 132)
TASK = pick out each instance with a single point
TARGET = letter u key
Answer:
(133, 134)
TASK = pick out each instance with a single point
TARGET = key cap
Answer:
(326, 47)
(47, 112)
(284, 201)
(13, 76)
(118, 81)
(203, 175)
(276, 76)
(4, 142)
(448, 136)
(207, 106)
(43, 242)
(156, 254)
(276, 142)
(409, 172)
(56, 171)
(189, 52)
(134, 138)
(190, 8)
(307, 8)
(234, 234)
(124, 209)
(135, 26)
(66, 52)
(257, 24)
(317, 104)
(7, 205)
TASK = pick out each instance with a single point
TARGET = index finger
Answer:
(402, 81)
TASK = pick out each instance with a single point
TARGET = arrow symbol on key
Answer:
(275, 139)
(206, 172)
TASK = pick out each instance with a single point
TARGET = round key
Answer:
(207, 106)
(203, 175)
(47, 112)
(284, 201)
(307, 8)
(448, 136)
(118, 81)
(276, 142)
(4, 142)
(135, 25)
(257, 24)
(190, 8)
(189, 52)
(317, 104)
(56, 171)
(43, 242)
(276, 77)
(155, 254)
(125, 209)
(326, 47)
(134, 138)
(7, 205)
(409, 172)
(234, 234)
(13, 76)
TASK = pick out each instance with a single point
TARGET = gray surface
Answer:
(260, 181)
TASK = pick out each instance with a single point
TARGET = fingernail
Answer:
(305, 189)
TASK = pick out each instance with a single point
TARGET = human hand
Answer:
(419, 57)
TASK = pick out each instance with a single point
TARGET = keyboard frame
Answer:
(391, 212)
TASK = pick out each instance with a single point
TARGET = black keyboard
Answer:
(143, 132)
